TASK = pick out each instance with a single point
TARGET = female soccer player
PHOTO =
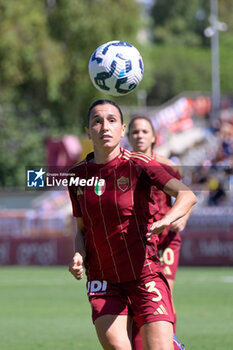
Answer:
(117, 233)
(142, 137)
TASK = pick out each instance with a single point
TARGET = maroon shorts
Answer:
(147, 299)
(169, 252)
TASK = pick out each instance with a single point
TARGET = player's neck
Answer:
(149, 152)
(101, 156)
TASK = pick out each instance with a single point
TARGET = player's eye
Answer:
(96, 121)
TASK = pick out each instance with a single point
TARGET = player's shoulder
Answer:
(163, 160)
(168, 164)
(78, 166)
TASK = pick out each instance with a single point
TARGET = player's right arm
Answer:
(76, 265)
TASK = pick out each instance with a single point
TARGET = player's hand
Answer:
(76, 266)
(157, 227)
(179, 225)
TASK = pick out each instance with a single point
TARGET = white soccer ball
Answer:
(116, 68)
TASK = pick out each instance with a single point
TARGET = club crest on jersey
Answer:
(100, 187)
(123, 183)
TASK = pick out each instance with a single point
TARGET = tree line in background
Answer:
(45, 47)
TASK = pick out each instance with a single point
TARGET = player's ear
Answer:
(123, 130)
(87, 132)
(154, 139)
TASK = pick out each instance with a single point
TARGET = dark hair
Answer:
(104, 102)
(145, 118)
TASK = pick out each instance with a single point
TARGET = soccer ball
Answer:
(116, 68)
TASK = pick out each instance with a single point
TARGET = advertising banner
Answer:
(36, 251)
(207, 248)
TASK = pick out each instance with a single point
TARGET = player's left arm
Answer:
(185, 199)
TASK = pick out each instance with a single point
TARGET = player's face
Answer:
(141, 136)
(105, 126)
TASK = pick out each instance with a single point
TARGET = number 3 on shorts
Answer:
(151, 288)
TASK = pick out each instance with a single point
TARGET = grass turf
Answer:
(46, 309)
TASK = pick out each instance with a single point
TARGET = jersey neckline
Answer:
(90, 157)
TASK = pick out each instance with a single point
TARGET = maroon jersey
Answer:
(117, 216)
(164, 203)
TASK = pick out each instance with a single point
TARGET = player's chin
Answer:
(140, 149)
(108, 144)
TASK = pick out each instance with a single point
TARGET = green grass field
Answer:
(46, 309)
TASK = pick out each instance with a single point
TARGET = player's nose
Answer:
(140, 135)
(105, 125)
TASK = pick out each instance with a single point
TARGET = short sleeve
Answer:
(158, 174)
(74, 201)
(171, 171)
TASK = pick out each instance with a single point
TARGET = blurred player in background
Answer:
(116, 237)
(142, 138)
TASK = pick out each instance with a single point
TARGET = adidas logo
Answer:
(161, 310)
